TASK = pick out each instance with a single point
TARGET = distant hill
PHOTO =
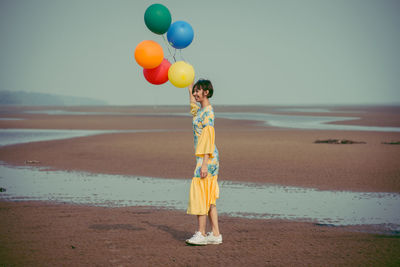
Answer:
(21, 98)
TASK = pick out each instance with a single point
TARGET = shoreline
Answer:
(370, 115)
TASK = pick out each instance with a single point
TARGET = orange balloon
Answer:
(149, 54)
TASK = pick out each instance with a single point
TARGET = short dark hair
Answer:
(205, 85)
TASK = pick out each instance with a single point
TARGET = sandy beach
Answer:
(41, 233)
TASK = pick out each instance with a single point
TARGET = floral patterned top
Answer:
(204, 138)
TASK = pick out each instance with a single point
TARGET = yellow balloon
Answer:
(181, 74)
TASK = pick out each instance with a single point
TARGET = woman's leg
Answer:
(202, 221)
(213, 216)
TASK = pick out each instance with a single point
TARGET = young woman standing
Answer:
(204, 189)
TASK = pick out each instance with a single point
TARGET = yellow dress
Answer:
(203, 191)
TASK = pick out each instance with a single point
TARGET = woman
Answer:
(204, 188)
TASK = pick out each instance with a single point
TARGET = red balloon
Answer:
(158, 75)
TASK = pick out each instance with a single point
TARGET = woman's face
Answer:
(199, 94)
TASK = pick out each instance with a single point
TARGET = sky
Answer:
(270, 52)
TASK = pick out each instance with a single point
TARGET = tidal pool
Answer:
(249, 200)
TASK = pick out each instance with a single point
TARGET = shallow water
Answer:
(276, 120)
(247, 200)
(11, 119)
(304, 122)
(314, 110)
(19, 136)
(66, 112)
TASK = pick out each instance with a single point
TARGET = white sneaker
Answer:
(211, 239)
(197, 239)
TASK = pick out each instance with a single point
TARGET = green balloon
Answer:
(157, 18)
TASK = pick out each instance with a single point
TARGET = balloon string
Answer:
(180, 53)
(166, 43)
(174, 54)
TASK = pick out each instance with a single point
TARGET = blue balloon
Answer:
(180, 34)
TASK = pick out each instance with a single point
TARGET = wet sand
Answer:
(39, 233)
(249, 151)
(43, 234)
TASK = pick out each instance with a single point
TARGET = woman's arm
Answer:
(191, 97)
(204, 166)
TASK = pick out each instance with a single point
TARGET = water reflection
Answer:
(248, 200)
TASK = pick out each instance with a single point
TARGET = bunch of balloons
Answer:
(149, 54)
